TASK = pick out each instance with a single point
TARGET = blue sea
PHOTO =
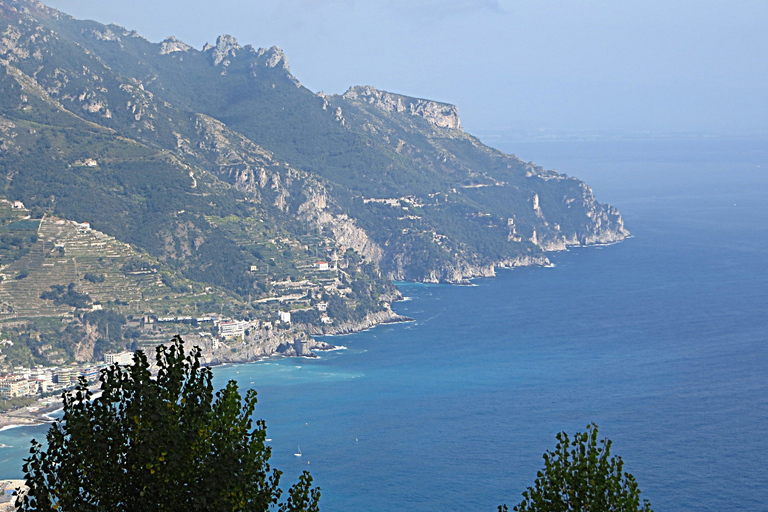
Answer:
(662, 340)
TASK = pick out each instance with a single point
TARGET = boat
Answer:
(298, 453)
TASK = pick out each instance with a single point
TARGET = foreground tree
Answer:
(158, 443)
(579, 476)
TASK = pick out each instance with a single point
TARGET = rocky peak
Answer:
(274, 57)
(17, 8)
(439, 114)
(171, 44)
(225, 47)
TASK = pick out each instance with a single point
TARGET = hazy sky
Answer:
(569, 66)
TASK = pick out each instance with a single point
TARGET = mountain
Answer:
(220, 168)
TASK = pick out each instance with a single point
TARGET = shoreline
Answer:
(23, 417)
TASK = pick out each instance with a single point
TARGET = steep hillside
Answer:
(222, 168)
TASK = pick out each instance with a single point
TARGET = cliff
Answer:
(436, 113)
(371, 320)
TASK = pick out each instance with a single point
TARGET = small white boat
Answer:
(298, 453)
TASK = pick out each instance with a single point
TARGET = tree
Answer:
(158, 443)
(579, 476)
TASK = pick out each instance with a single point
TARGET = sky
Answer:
(627, 67)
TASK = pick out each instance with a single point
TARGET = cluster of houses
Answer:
(227, 328)
(21, 381)
(37, 381)
(398, 202)
(41, 380)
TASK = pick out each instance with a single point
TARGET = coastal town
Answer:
(74, 300)
(30, 393)
(41, 380)
(57, 275)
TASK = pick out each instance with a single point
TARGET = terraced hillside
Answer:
(110, 272)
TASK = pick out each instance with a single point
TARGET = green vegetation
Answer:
(580, 476)
(66, 295)
(16, 240)
(164, 443)
(17, 402)
(94, 278)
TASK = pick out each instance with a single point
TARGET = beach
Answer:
(35, 414)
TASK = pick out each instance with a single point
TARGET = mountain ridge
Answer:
(216, 162)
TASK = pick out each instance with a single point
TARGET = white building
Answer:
(43, 377)
(285, 316)
(40, 386)
(66, 376)
(12, 386)
(232, 329)
(121, 358)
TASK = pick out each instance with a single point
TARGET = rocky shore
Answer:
(294, 341)
(370, 320)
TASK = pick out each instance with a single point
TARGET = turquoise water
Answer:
(661, 340)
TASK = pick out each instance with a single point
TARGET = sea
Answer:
(661, 340)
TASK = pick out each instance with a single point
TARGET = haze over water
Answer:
(661, 340)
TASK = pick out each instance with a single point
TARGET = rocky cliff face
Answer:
(461, 271)
(370, 320)
(226, 47)
(439, 114)
(254, 171)
(600, 224)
